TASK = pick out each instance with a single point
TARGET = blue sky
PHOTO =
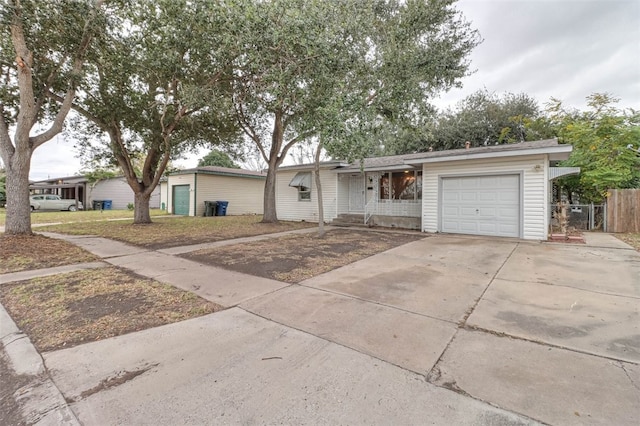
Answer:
(567, 49)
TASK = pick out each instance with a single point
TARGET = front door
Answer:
(181, 200)
(356, 193)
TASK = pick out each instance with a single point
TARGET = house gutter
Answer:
(561, 149)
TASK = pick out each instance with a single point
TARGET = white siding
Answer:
(534, 189)
(180, 180)
(288, 206)
(119, 192)
(245, 195)
(164, 197)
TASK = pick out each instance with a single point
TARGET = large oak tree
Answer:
(338, 69)
(42, 50)
(157, 84)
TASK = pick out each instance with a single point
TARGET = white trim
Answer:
(480, 155)
(397, 167)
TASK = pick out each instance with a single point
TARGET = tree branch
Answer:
(6, 147)
(58, 122)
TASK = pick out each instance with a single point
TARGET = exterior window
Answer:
(401, 185)
(304, 193)
(302, 181)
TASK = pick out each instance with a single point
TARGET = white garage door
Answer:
(481, 205)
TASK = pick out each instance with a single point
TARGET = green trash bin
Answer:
(97, 204)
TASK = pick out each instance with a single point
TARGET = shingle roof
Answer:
(223, 171)
(400, 160)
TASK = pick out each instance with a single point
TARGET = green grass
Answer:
(81, 216)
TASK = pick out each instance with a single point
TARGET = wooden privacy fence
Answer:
(623, 210)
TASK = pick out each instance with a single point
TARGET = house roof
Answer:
(323, 165)
(547, 146)
(408, 161)
(65, 179)
(221, 171)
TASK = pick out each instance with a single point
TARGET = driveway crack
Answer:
(118, 379)
(633, 383)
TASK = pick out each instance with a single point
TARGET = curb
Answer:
(41, 402)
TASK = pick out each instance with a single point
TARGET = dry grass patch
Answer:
(630, 238)
(178, 231)
(294, 258)
(19, 253)
(69, 309)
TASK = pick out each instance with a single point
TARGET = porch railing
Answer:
(370, 209)
(404, 208)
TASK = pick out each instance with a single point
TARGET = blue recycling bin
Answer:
(106, 204)
(221, 208)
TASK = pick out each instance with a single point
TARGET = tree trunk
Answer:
(141, 213)
(270, 214)
(18, 219)
(316, 170)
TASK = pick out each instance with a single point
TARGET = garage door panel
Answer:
(481, 205)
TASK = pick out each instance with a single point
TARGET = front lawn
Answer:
(64, 310)
(19, 253)
(297, 257)
(177, 231)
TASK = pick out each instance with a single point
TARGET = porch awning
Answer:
(301, 179)
(556, 172)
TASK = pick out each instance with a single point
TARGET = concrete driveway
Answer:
(445, 330)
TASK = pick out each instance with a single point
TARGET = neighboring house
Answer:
(115, 189)
(119, 192)
(68, 187)
(184, 192)
(501, 190)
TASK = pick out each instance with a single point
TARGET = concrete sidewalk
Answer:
(445, 330)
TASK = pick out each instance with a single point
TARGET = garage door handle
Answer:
(477, 211)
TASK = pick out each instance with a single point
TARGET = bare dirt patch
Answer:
(65, 310)
(295, 258)
(19, 253)
(178, 231)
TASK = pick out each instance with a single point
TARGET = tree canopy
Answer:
(601, 137)
(217, 158)
(482, 118)
(338, 70)
(156, 85)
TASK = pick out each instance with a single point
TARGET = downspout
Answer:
(195, 194)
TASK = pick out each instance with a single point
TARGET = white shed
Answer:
(184, 192)
(119, 192)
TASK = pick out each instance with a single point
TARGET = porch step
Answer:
(349, 219)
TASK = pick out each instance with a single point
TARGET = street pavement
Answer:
(444, 330)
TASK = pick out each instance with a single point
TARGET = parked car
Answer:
(53, 202)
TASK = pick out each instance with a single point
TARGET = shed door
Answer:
(181, 200)
(481, 205)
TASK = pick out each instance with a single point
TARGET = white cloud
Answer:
(567, 49)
